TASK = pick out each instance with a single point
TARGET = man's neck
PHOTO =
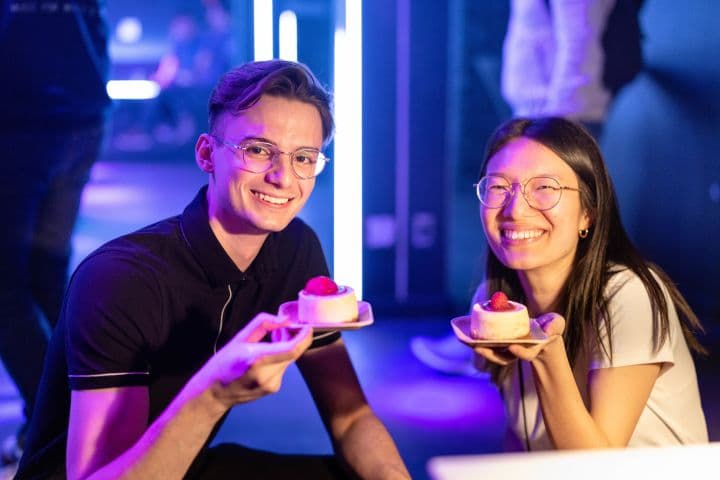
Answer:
(242, 248)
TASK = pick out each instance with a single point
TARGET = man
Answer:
(157, 339)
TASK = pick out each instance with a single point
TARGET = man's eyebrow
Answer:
(257, 139)
(270, 142)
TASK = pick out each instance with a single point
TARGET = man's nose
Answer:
(281, 173)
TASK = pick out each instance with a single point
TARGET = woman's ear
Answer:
(586, 220)
(203, 153)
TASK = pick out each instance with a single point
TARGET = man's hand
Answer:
(552, 324)
(247, 369)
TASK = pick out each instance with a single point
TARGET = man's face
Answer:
(259, 203)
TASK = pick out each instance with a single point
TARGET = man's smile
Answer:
(270, 198)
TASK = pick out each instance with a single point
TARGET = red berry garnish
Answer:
(499, 302)
(321, 286)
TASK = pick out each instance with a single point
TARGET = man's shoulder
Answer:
(159, 235)
(296, 233)
(159, 242)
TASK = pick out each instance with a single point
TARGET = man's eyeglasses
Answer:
(541, 193)
(258, 157)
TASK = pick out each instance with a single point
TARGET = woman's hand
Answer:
(552, 324)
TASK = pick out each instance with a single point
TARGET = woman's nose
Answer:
(517, 203)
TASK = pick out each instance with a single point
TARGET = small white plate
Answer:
(461, 327)
(365, 317)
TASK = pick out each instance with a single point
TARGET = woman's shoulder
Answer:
(625, 285)
(617, 276)
(622, 277)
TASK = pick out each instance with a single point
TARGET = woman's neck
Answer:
(542, 290)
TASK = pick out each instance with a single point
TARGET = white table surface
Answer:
(672, 463)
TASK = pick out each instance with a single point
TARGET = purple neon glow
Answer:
(443, 401)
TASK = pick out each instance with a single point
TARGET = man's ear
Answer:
(203, 153)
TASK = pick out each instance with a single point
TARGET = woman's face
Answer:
(523, 238)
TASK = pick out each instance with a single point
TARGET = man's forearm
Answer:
(171, 443)
(242, 371)
(369, 451)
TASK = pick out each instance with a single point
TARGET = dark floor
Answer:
(427, 413)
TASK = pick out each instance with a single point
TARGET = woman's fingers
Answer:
(551, 323)
(499, 355)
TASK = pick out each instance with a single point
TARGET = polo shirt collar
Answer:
(217, 264)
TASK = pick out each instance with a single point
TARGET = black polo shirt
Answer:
(150, 308)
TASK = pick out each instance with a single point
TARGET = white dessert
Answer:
(488, 324)
(337, 307)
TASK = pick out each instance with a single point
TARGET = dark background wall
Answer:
(405, 164)
(663, 144)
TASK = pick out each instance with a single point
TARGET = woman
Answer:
(617, 369)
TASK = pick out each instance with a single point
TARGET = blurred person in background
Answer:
(54, 105)
(199, 52)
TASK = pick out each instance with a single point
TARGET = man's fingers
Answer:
(286, 334)
(282, 351)
(261, 325)
(257, 380)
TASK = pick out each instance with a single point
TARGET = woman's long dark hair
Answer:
(583, 301)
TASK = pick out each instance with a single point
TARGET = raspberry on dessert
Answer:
(321, 285)
(499, 302)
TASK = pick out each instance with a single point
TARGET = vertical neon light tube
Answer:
(347, 164)
(402, 151)
(263, 29)
(288, 36)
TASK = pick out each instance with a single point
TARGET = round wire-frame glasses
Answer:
(258, 157)
(541, 193)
